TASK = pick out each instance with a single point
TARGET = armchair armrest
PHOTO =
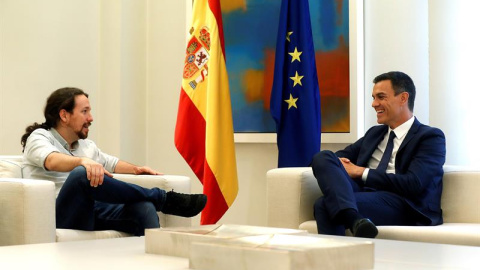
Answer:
(460, 200)
(291, 193)
(27, 211)
(178, 183)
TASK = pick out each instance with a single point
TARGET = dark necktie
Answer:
(382, 166)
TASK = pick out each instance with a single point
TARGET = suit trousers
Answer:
(341, 192)
(114, 205)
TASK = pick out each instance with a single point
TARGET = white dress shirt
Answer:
(400, 133)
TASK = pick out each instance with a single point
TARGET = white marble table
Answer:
(106, 254)
(129, 253)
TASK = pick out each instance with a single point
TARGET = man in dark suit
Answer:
(391, 176)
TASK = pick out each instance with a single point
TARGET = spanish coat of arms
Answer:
(196, 59)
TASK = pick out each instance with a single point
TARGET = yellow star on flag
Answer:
(288, 35)
(297, 79)
(291, 102)
(295, 55)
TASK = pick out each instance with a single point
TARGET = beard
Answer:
(83, 135)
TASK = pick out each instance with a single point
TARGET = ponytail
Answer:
(29, 131)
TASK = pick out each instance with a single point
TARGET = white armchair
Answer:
(291, 193)
(27, 207)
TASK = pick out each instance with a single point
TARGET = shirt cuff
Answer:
(365, 175)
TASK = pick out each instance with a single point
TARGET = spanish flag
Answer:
(204, 129)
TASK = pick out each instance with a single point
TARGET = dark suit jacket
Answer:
(418, 168)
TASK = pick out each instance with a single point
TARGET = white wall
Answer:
(454, 70)
(121, 111)
(436, 42)
(44, 45)
(396, 39)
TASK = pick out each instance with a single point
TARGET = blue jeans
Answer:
(114, 205)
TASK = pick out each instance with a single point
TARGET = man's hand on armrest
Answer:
(146, 170)
(125, 167)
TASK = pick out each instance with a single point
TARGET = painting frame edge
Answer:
(356, 59)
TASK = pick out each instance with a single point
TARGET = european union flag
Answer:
(295, 98)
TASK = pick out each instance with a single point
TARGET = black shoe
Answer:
(184, 205)
(363, 227)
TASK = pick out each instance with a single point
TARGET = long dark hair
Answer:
(61, 99)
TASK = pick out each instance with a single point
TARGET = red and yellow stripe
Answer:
(204, 130)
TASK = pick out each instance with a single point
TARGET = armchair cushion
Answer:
(10, 167)
(64, 235)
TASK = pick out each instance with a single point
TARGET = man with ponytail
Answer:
(88, 197)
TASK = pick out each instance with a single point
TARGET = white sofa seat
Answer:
(27, 206)
(291, 193)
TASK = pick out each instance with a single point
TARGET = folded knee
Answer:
(79, 171)
(77, 177)
(322, 159)
(323, 155)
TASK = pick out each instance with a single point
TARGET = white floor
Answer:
(129, 253)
